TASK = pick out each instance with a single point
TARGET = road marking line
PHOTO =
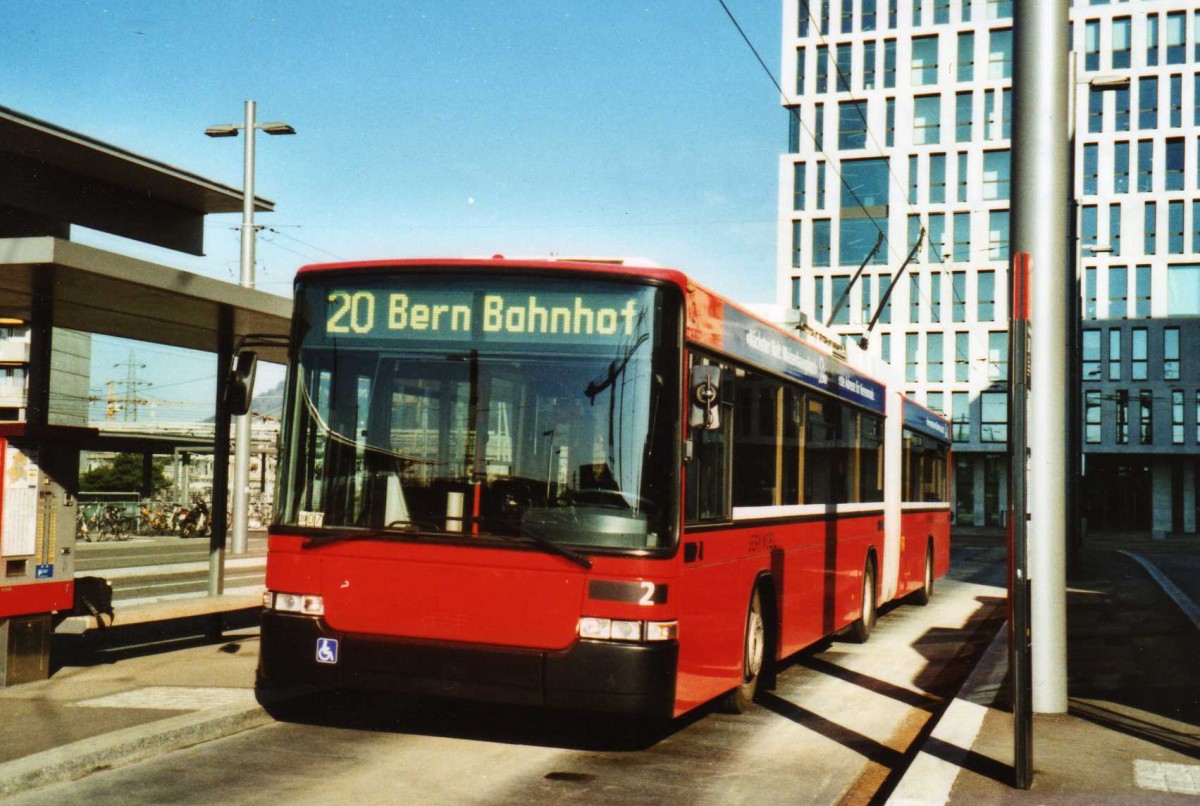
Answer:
(929, 779)
(1162, 776)
(1189, 608)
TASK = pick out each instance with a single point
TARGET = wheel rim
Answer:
(755, 641)
(868, 608)
(928, 573)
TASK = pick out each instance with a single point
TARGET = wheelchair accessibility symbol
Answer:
(327, 650)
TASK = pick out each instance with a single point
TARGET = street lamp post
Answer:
(241, 458)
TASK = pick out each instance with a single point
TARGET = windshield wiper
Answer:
(395, 530)
(546, 544)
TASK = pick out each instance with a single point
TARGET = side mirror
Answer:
(239, 388)
(705, 409)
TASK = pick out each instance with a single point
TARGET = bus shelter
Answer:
(54, 287)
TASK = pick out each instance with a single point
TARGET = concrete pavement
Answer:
(1131, 734)
(1132, 731)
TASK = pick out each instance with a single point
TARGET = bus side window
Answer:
(708, 471)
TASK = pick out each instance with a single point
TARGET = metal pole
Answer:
(241, 446)
(1039, 228)
(1019, 649)
(220, 474)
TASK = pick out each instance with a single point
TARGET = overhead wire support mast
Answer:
(888, 292)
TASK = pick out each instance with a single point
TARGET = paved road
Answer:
(841, 726)
(143, 569)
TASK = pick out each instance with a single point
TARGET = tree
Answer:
(122, 474)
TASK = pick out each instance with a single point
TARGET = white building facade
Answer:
(900, 131)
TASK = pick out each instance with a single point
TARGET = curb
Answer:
(1185, 603)
(125, 746)
(931, 776)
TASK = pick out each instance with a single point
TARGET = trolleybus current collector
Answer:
(580, 485)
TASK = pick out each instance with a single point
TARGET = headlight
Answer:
(308, 604)
(603, 629)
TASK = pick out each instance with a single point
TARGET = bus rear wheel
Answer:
(925, 592)
(739, 700)
(860, 630)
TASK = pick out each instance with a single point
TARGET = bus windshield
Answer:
(483, 407)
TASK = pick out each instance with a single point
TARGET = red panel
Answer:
(36, 597)
(705, 317)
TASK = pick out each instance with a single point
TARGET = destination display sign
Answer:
(400, 311)
(925, 422)
(769, 348)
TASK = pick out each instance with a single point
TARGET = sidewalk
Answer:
(118, 696)
(1132, 732)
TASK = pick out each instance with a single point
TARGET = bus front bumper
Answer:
(301, 653)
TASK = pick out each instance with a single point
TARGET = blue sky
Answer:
(454, 127)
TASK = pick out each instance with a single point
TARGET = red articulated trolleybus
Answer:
(579, 485)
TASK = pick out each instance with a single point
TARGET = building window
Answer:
(961, 252)
(800, 71)
(1121, 42)
(821, 243)
(927, 119)
(1175, 228)
(1145, 167)
(852, 124)
(937, 237)
(1176, 34)
(1183, 290)
(958, 290)
(937, 179)
(819, 299)
(866, 310)
(914, 298)
(1176, 416)
(819, 128)
(1121, 167)
(868, 65)
(1114, 354)
(1091, 169)
(934, 357)
(1148, 102)
(998, 356)
(1141, 286)
(924, 61)
(941, 12)
(1121, 105)
(802, 19)
(891, 122)
(1151, 40)
(1095, 114)
(844, 66)
(963, 111)
(1171, 354)
(822, 68)
(966, 56)
(839, 285)
(1150, 229)
(963, 176)
(1175, 151)
(1138, 355)
(936, 401)
(1114, 228)
(1118, 292)
(1122, 416)
(962, 356)
(796, 251)
(993, 417)
(1091, 355)
(985, 310)
(889, 63)
(799, 175)
(1196, 225)
(998, 235)
(820, 185)
(868, 15)
(1145, 417)
(1175, 110)
(910, 357)
(1091, 45)
(960, 413)
(996, 167)
(1091, 418)
(935, 297)
(796, 295)
(885, 308)
(1000, 53)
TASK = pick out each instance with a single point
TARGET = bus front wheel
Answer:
(741, 698)
(925, 592)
